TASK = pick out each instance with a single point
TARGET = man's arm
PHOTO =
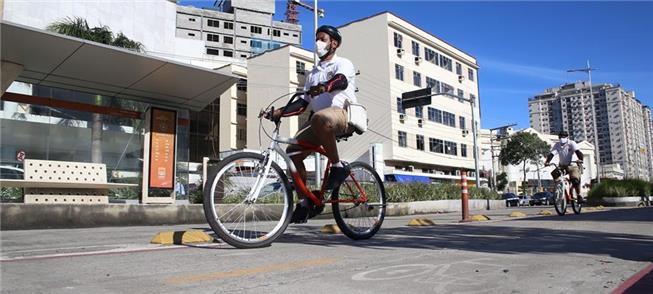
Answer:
(338, 82)
(548, 159)
(580, 155)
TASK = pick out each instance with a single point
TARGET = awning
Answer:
(56, 60)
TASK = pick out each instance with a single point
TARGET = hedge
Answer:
(621, 188)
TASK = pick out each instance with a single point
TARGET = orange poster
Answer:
(162, 148)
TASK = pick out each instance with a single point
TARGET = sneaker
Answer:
(337, 175)
(300, 214)
(581, 200)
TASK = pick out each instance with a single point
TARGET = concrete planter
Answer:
(57, 216)
(621, 201)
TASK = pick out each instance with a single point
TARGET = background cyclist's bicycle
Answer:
(565, 193)
(248, 199)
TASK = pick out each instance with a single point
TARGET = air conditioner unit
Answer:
(465, 132)
(420, 122)
(410, 168)
(400, 52)
(402, 117)
(457, 172)
(418, 59)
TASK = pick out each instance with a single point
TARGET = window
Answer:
(433, 84)
(445, 62)
(300, 67)
(191, 34)
(462, 122)
(449, 119)
(212, 38)
(399, 72)
(295, 35)
(461, 93)
(398, 40)
(241, 109)
(402, 139)
(431, 56)
(446, 88)
(243, 41)
(228, 53)
(400, 107)
(228, 40)
(256, 30)
(420, 142)
(472, 97)
(463, 150)
(243, 27)
(417, 79)
(436, 145)
(276, 33)
(191, 19)
(459, 69)
(419, 111)
(214, 23)
(241, 85)
(470, 74)
(242, 134)
(212, 51)
(450, 148)
(228, 25)
(286, 34)
(415, 48)
(435, 115)
(255, 44)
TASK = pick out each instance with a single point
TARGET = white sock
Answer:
(337, 164)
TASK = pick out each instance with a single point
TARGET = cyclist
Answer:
(329, 84)
(565, 149)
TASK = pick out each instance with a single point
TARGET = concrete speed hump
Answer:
(330, 229)
(416, 222)
(181, 237)
(517, 214)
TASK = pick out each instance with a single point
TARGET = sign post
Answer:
(159, 158)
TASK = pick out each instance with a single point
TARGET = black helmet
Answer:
(332, 32)
(563, 134)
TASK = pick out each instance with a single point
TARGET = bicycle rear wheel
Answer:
(359, 220)
(231, 211)
(560, 203)
(575, 205)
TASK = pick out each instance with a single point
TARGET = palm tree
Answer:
(79, 28)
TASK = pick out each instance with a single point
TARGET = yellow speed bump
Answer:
(181, 237)
(517, 214)
(416, 222)
(590, 208)
(479, 218)
(330, 229)
(545, 212)
(600, 207)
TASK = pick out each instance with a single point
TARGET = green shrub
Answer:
(424, 192)
(11, 194)
(621, 188)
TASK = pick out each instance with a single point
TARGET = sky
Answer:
(522, 48)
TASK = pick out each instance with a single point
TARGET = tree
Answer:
(523, 148)
(79, 28)
(502, 181)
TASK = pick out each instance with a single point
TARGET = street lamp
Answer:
(422, 97)
(597, 156)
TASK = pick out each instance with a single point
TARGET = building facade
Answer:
(623, 124)
(393, 56)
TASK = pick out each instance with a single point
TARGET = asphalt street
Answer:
(594, 252)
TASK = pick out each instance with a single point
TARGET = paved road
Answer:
(590, 253)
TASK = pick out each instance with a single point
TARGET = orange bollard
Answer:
(464, 198)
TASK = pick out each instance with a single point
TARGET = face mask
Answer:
(563, 141)
(321, 48)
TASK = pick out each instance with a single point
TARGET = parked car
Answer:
(511, 199)
(525, 200)
(543, 198)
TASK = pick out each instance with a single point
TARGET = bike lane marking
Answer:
(300, 264)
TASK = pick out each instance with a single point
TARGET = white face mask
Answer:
(564, 140)
(321, 48)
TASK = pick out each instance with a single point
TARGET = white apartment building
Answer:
(536, 174)
(394, 56)
(623, 124)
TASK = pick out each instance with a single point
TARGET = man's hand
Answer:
(317, 90)
(579, 163)
(273, 115)
(547, 164)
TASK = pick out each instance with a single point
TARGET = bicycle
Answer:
(565, 193)
(248, 198)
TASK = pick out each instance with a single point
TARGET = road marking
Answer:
(250, 271)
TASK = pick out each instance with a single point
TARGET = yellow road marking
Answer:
(250, 271)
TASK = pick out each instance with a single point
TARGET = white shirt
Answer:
(565, 152)
(323, 72)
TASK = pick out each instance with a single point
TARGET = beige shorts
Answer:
(573, 171)
(332, 115)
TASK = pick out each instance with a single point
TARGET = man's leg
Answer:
(326, 124)
(574, 176)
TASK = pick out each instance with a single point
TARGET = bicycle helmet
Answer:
(332, 32)
(563, 134)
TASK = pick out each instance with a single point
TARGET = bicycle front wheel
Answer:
(560, 202)
(359, 219)
(239, 215)
(575, 205)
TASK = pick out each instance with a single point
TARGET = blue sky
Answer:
(522, 47)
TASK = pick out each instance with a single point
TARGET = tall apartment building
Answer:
(394, 56)
(623, 123)
(242, 29)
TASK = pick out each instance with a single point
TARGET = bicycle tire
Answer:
(575, 205)
(560, 202)
(340, 214)
(213, 216)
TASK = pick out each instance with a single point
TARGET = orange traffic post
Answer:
(464, 198)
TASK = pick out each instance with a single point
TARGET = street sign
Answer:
(20, 156)
(416, 98)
